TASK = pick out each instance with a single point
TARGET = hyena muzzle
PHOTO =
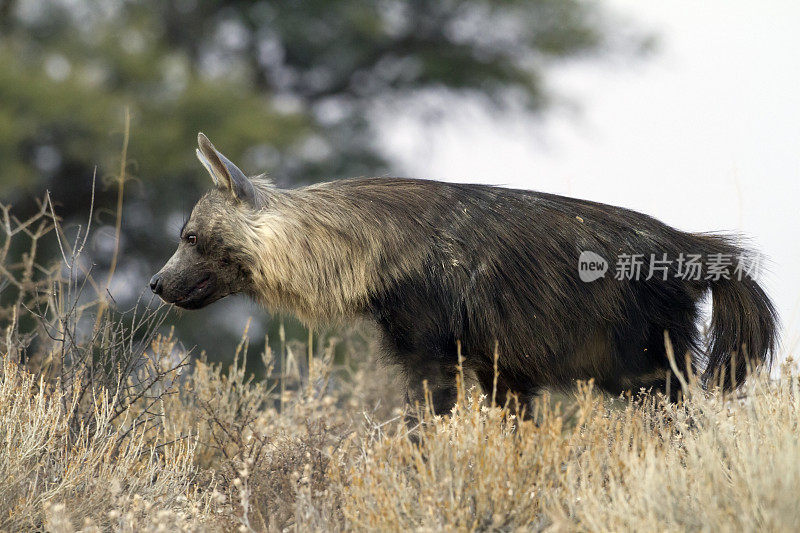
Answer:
(445, 267)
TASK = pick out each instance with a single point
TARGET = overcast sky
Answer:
(704, 135)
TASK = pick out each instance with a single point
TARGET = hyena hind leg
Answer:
(683, 342)
(656, 374)
(661, 381)
(642, 362)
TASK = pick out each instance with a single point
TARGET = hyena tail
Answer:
(744, 329)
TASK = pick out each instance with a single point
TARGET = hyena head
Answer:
(210, 262)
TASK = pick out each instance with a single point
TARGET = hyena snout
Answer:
(191, 288)
(156, 285)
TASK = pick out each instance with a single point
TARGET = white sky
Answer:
(704, 135)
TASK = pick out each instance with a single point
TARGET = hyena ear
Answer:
(226, 175)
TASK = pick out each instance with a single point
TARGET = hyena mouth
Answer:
(197, 296)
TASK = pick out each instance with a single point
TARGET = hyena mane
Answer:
(445, 268)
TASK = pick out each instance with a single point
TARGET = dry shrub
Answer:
(712, 463)
(82, 390)
(267, 444)
(92, 473)
(477, 469)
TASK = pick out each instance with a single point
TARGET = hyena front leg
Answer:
(506, 393)
(431, 385)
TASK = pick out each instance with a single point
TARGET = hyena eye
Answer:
(191, 239)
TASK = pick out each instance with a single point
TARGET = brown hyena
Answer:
(436, 264)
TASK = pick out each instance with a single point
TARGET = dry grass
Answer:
(103, 426)
(709, 465)
(47, 470)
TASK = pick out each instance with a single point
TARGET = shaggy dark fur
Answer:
(434, 264)
(502, 267)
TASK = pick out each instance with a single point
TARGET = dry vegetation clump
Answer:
(712, 464)
(623, 465)
(106, 424)
(82, 390)
(51, 473)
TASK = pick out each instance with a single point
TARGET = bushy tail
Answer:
(744, 331)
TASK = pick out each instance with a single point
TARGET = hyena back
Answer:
(438, 265)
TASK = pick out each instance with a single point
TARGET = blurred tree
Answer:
(283, 87)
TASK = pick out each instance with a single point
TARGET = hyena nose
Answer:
(155, 284)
